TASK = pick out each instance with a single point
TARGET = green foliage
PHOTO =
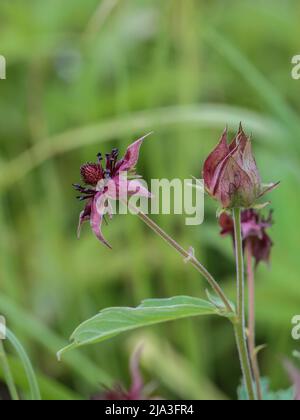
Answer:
(80, 81)
(113, 321)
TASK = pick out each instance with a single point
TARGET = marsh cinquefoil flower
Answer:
(108, 180)
(231, 175)
(254, 232)
(137, 391)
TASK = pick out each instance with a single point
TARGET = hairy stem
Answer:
(188, 256)
(251, 322)
(240, 326)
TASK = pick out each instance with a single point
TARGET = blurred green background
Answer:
(84, 76)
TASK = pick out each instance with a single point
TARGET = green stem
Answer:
(189, 257)
(244, 360)
(33, 384)
(7, 374)
(240, 328)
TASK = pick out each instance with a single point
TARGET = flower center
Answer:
(111, 163)
(92, 173)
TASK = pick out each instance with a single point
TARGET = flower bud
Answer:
(231, 175)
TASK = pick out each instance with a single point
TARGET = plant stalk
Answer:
(240, 326)
(188, 256)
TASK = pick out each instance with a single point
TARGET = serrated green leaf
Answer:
(113, 321)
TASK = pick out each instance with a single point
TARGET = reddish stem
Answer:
(251, 321)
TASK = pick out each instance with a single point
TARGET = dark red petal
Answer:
(261, 248)
(234, 187)
(240, 139)
(249, 165)
(84, 217)
(137, 385)
(254, 225)
(251, 228)
(226, 223)
(131, 157)
(97, 217)
(138, 189)
(214, 160)
(254, 233)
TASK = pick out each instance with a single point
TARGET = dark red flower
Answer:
(108, 182)
(231, 175)
(137, 390)
(254, 232)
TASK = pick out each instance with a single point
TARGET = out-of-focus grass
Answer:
(83, 76)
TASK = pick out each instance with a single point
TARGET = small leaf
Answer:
(217, 301)
(261, 206)
(260, 348)
(113, 321)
